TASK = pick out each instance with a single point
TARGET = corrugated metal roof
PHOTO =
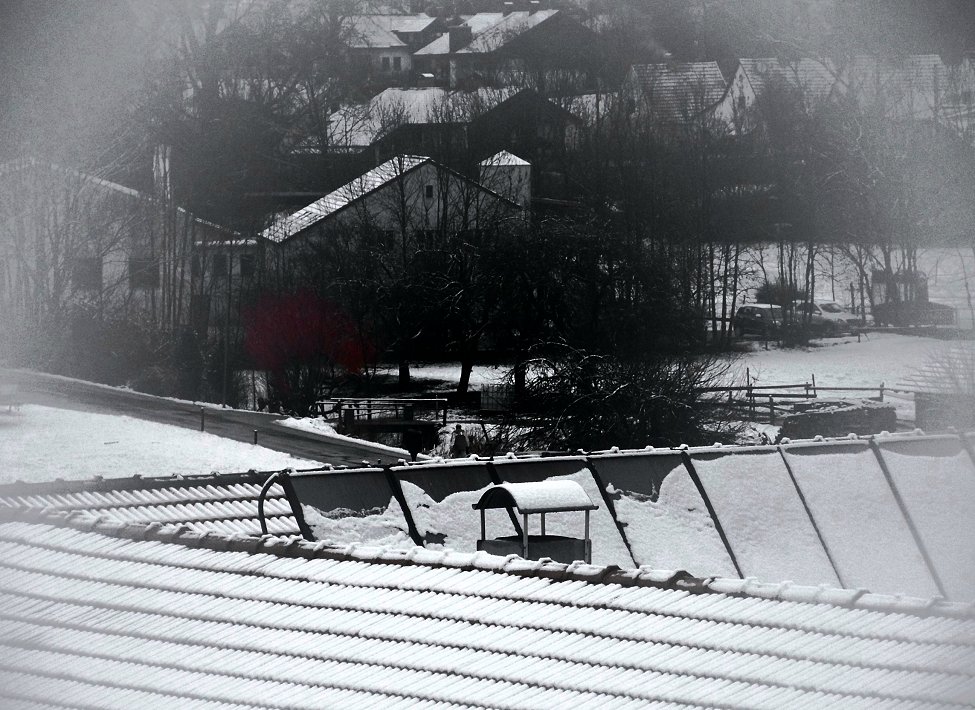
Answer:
(289, 225)
(225, 503)
(676, 91)
(845, 511)
(102, 614)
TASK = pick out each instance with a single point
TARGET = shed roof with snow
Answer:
(536, 497)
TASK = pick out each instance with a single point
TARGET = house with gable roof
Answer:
(675, 93)
(495, 49)
(75, 242)
(813, 80)
(407, 193)
(459, 128)
(383, 45)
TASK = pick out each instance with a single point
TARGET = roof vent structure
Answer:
(539, 498)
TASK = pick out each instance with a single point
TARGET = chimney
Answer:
(508, 7)
(460, 37)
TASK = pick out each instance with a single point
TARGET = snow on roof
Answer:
(478, 23)
(537, 497)
(359, 125)
(500, 33)
(372, 31)
(859, 520)
(810, 75)
(99, 613)
(384, 173)
(678, 89)
(503, 158)
(222, 503)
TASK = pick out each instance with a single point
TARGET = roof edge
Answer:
(296, 547)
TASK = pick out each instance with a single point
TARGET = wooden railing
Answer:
(352, 410)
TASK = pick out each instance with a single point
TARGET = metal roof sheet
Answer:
(106, 614)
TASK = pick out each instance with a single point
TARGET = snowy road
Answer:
(52, 391)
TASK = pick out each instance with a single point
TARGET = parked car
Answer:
(828, 318)
(762, 319)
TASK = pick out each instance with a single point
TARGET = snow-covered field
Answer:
(841, 362)
(40, 443)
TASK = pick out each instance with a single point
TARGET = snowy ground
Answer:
(450, 372)
(40, 443)
(886, 358)
(841, 362)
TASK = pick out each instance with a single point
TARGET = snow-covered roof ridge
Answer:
(293, 547)
(505, 158)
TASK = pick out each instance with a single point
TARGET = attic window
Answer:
(428, 192)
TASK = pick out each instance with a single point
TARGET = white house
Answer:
(407, 194)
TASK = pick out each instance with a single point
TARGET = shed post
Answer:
(524, 535)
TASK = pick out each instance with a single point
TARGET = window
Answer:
(247, 263)
(219, 266)
(385, 63)
(143, 272)
(87, 274)
(397, 64)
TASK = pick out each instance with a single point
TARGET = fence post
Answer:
(771, 410)
(202, 419)
(815, 394)
(255, 437)
(881, 391)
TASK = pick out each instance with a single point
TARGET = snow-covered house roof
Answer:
(219, 503)
(890, 514)
(100, 613)
(289, 225)
(373, 32)
(813, 76)
(508, 28)
(503, 158)
(677, 90)
(478, 23)
(360, 125)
